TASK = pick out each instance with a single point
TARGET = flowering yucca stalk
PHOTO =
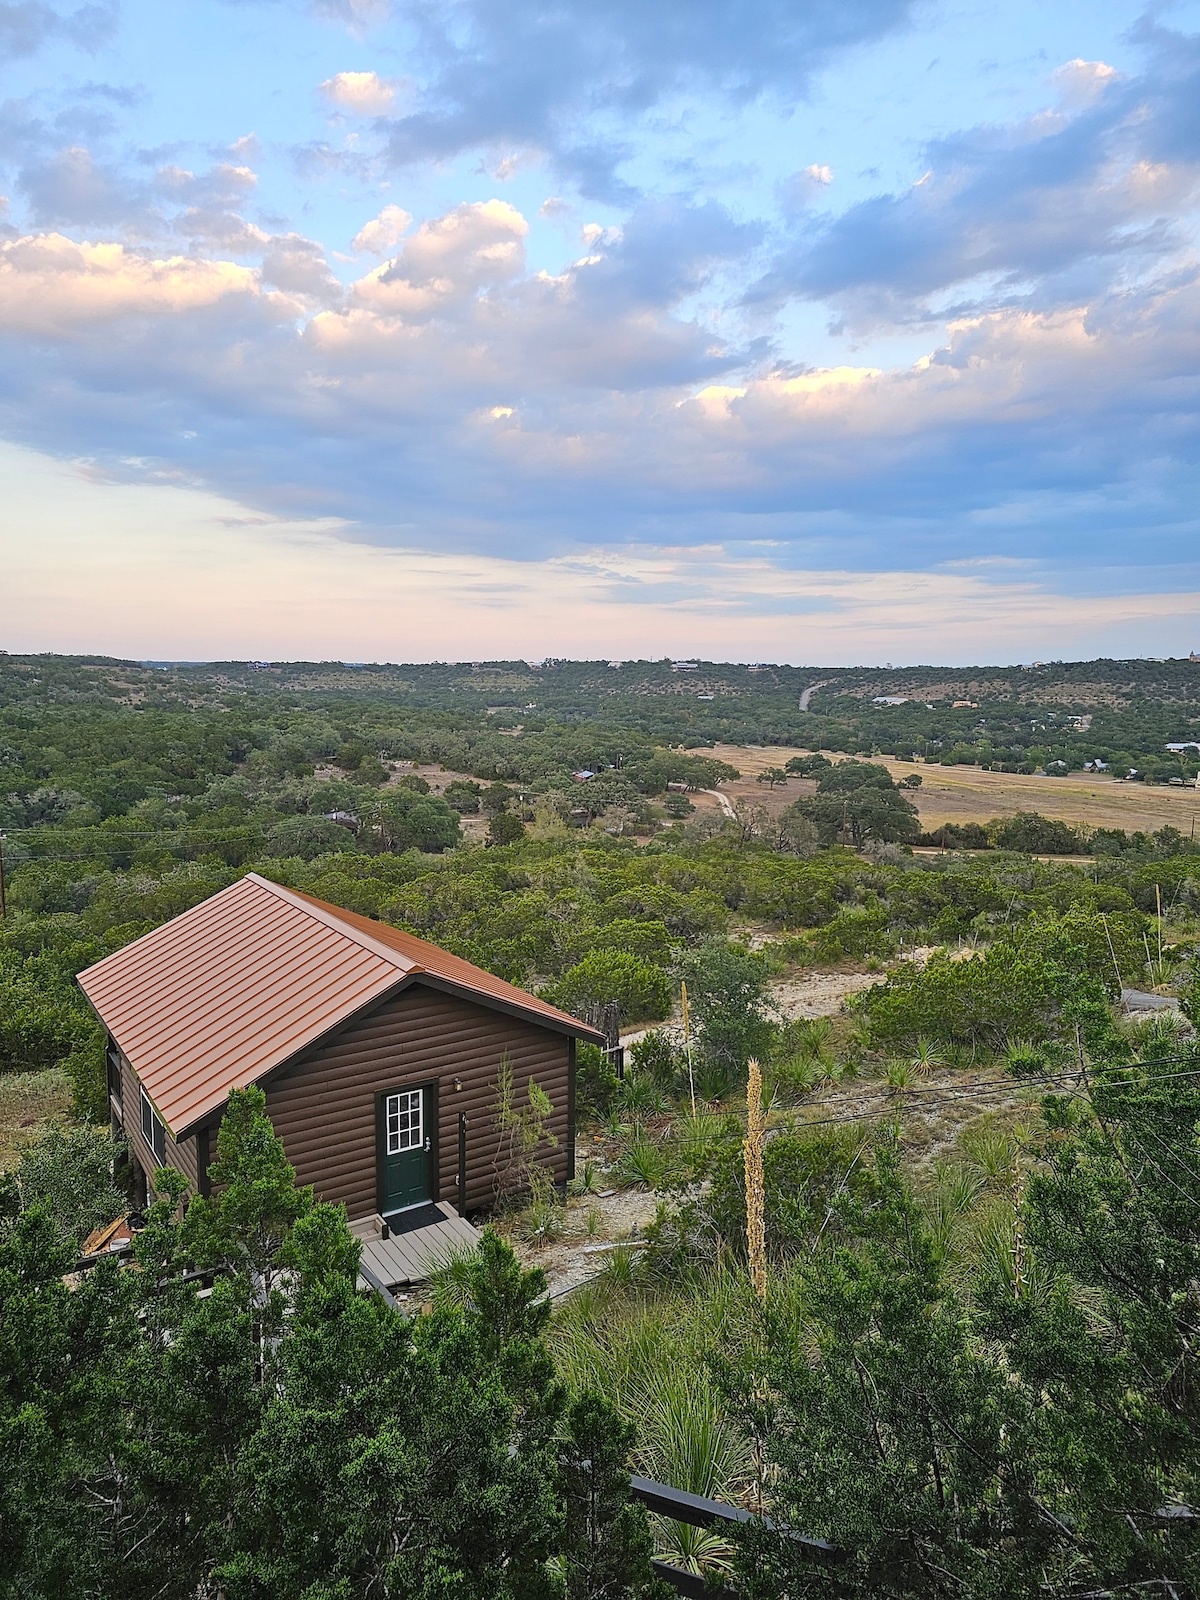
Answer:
(756, 1224)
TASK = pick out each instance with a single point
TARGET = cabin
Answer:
(379, 1054)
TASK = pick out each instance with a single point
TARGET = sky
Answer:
(452, 329)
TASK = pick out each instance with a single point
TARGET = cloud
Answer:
(365, 93)
(503, 73)
(384, 232)
(49, 284)
(1081, 83)
(802, 188)
(1035, 211)
(455, 255)
(176, 572)
(26, 25)
(71, 189)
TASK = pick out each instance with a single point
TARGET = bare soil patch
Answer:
(595, 1223)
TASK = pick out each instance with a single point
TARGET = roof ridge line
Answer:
(364, 940)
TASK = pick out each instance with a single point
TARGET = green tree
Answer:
(606, 1544)
(308, 837)
(505, 828)
(771, 776)
(641, 989)
(727, 989)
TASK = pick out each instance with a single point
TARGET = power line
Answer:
(1002, 1087)
(968, 1091)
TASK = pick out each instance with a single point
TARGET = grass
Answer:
(28, 1102)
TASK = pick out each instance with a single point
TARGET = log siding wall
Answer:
(180, 1154)
(323, 1106)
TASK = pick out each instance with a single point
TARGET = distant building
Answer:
(344, 819)
(685, 666)
(582, 777)
(891, 700)
(1178, 749)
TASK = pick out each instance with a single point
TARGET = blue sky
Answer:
(416, 328)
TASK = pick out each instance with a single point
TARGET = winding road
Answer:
(806, 694)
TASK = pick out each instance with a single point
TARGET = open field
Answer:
(28, 1102)
(969, 794)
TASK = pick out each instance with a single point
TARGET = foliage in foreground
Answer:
(284, 1435)
(1036, 1434)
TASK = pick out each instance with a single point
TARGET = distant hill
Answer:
(1059, 714)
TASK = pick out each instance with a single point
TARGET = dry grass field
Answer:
(28, 1102)
(968, 794)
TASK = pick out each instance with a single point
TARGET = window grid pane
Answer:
(403, 1119)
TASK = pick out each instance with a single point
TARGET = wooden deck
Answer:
(406, 1258)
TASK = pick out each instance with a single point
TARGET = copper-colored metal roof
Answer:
(218, 997)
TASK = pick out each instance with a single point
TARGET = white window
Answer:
(403, 1121)
(153, 1131)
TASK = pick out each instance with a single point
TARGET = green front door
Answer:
(404, 1145)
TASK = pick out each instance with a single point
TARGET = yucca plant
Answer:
(585, 1182)
(1158, 1035)
(643, 1164)
(988, 1149)
(900, 1077)
(1024, 1059)
(926, 1057)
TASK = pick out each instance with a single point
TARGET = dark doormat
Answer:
(414, 1217)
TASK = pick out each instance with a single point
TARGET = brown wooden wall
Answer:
(181, 1155)
(323, 1106)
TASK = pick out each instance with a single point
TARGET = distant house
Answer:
(378, 1053)
(890, 700)
(583, 776)
(685, 666)
(1178, 749)
(344, 819)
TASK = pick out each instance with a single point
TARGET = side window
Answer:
(153, 1131)
(112, 1057)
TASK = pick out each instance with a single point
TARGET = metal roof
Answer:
(220, 996)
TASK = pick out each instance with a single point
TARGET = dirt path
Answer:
(722, 800)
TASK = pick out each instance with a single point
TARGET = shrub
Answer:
(596, 1084)
(641, 989)
(1032, 834)
(802, 1172)
(657, 1056)
(1018, 987)
(68, 1172)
